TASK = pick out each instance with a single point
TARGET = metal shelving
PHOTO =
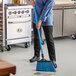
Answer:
(1, 24)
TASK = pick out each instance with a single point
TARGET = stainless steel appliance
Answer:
(57, 16)
(18, 24)
(15, 25)
(69, 27)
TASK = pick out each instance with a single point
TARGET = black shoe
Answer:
(35, 58)
(54, 63)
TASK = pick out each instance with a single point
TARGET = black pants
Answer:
(48, 30)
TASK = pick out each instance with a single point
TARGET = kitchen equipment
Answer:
(15, 25)
(18, 24)
(69, 21)
(57, 13)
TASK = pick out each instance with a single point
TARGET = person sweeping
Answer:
(45, 19)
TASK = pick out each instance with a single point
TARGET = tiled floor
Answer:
(65, 53)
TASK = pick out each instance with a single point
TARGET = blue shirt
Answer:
(44, 12)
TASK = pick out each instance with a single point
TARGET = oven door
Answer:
(17, 32)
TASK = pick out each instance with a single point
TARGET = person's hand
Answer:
(32, 2)
(39, 24)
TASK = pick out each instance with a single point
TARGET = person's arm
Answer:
(46, 10)
(40, 21)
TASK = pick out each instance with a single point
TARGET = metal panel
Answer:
(57, 29)
(18, 24)
(69, 22)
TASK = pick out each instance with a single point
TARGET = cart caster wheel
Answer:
(8, 47)
(73, 37)
(27, 44)
(2, 49)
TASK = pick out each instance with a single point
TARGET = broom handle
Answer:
(38, 33)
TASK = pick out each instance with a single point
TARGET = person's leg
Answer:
(48, 31)
(36, 45)
(36, 42)
(50, 43)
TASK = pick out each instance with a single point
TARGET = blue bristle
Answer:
(45, 66)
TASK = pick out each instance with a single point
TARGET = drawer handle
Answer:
(19, 22)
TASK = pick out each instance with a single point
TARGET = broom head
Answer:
(44, 65)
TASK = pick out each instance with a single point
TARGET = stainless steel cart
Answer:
(15, 25)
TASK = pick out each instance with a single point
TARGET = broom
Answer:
(43, 64)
